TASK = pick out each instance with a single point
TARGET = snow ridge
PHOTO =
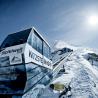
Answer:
(79, 73)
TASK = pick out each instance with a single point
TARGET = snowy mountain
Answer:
(79, 73)
(61, 44)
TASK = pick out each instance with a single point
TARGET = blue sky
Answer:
(56, 19)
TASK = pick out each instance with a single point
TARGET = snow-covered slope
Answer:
(80, 74)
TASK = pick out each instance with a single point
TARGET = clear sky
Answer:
(65, 20)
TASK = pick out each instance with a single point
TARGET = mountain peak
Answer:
(62, 44)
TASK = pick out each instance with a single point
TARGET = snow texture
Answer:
(79, 74)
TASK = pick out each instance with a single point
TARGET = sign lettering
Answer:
(38, 58)
(12, 51)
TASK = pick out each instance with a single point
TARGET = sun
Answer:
(93, 20)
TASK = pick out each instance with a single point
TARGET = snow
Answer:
(62, 44)
(86, 77)
(66, 79)
(79, 73)
(49, 93)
